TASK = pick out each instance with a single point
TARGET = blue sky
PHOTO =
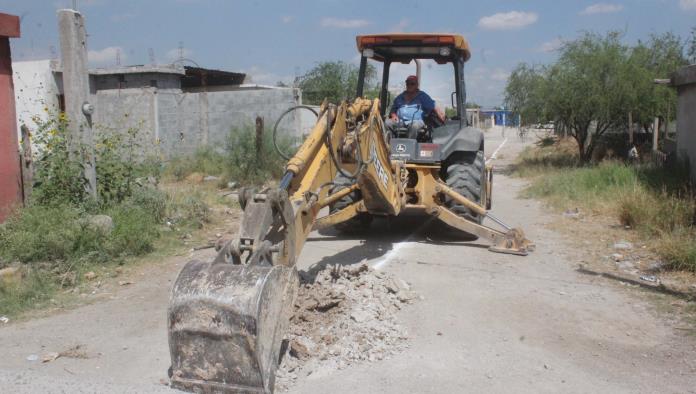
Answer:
(276, 40)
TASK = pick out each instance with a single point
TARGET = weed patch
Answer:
(242, 159)
(63, 232)
(207, 160)
(657, 202)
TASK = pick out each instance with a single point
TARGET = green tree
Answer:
(335, 81)
(524, 93)
(656, 58)
(590, 88)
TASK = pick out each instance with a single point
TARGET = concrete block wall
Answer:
(119, 110)
(179, 125)
(685, 81)
(176, 123)
(190, 120)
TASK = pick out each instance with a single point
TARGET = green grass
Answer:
(237, 161)
(206, 161)
(657, 202)
(35, 289)
(55, 245)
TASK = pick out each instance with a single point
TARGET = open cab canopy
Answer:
(404, 47)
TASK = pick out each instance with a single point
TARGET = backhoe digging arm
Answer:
(227, 317)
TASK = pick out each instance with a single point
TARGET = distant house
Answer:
(501, 117)
(684, 80)
(177, 109)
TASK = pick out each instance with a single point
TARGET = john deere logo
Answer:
(401, 148)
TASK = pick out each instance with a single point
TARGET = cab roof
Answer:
(403, 47)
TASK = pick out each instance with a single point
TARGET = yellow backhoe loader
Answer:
(227, 317)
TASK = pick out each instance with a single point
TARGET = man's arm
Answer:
(428, 105)
(395, 107)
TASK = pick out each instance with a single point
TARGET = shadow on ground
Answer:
(380, 238)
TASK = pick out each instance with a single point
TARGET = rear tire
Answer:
(358, 223)
(465, 174)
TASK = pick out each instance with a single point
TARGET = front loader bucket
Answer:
(226, 323)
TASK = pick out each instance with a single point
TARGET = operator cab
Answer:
(437, 139)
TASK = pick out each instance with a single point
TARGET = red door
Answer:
(10, 170)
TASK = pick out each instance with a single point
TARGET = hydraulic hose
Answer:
(275, 127)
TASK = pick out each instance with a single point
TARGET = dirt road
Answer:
(487, 323)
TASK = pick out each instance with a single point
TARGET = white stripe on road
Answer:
(389, 256)
(495, 153)
(382, 262)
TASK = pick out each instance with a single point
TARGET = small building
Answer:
(501, 117)
(176, 109)
(684, 80)
(10, 167)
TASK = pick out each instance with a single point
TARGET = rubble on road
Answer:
(623, 245)
(347, 314)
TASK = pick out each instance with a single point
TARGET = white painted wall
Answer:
(36, 90)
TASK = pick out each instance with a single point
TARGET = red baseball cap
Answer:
(412, 78)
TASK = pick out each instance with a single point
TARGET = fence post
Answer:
(630, 128)
(73, 48)
(259, 137)
(27, 164)
(656, 133)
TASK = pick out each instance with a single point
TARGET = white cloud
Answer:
(689, 5)
(508, 20)
(401, 26)
(485, 86)
(106, 56)
(337, 23)
(601, 8)
(499, 75)
(175, 53)
(551, 46)
(258, 75)
(287, 18)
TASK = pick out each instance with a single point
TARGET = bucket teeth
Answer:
(514, 242)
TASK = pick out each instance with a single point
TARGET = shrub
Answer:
(59, 162)
(62, 236)
(678, 249)
(188, 209)
(35, 288)
(58, 171)
(152, 200)
(245, 164)
(41, 233)
(135, 230)
(653, 212)
(656, 201)
(206, 160)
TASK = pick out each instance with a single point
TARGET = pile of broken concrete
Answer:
(345, 315)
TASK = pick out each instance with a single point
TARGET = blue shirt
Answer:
(424, 104)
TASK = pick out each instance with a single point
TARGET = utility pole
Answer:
(73, 48)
